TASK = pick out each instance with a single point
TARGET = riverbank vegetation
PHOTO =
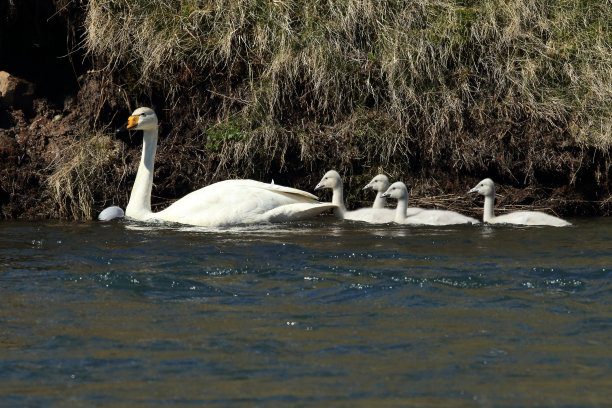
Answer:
(437, 93)
(77, 176)
(438, 68)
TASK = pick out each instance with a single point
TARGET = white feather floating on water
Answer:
(110, 213)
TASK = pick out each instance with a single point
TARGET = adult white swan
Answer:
(399, 191)
(332, 180)
(487, 188)
(224, 203)
(380, 184)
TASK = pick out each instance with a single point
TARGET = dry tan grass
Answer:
(516, 88)
(429, 63)
(83, 174)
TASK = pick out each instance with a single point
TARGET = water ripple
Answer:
(307, 314)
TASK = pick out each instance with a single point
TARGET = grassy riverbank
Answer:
(436, 69)
(436, 93)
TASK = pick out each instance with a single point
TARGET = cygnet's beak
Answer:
(474, 190)
(319, 186)
(386, 194)
(367, 186)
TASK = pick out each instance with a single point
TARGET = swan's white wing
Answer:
(371, 215)
(270, 186)
(297, 211)
(234, 202)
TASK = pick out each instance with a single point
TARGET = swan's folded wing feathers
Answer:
(272, 187)
(234, 202)
(371, 215)
(290, 191)
(297, 211)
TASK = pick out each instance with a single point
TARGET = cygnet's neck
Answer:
(379, 201)
(489, 203)
(400, 211)
(139, 206)
(338, 199)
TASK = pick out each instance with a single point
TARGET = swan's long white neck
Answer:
(139, 206)
(400, 211)
(489, 203)
(338, 199)
(379, 202)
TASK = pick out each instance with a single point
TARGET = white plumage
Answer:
(380, 184)
(399, 191)
(332, 180)
(487, 188)
(229, 202)
(110, 213)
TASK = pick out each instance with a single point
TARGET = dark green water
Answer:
(318, 314)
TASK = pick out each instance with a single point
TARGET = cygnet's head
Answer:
(331, 179)
(141, 119)
(486, 188)
(379, 183)
(396, 190)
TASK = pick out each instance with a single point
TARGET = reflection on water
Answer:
(305, 314)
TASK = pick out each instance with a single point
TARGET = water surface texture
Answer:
(315, 314)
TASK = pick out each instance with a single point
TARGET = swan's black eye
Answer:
(143, 114)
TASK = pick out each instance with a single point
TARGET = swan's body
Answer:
(380, 184)
(225, 203)
(332, 180)
(399, 191)
(370, 215)
(487, 188)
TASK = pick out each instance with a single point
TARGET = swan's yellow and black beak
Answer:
(132, 122)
